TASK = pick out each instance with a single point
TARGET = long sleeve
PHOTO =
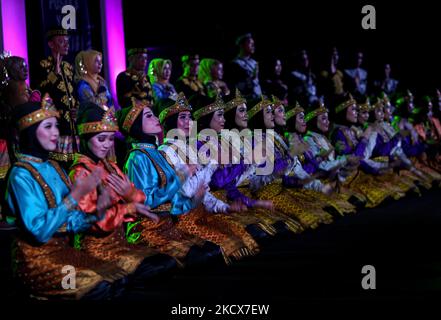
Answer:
(213, 204)
(26, 200)
(115, 216)
(341, 144)
(367, 164)
(326, 163)
(142, 173)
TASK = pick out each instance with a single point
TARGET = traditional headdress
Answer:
(56, 32)
(350, 101)
(218, 104)
(294, 111)
(366, 106)
(316, 112)
(180, 105)
(134, 110)
(134, 51)
(46, 111)
(259, 106)
(107, 123)
(236, 101)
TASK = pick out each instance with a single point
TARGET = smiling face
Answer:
(323, 122)
(241, 117)
(150, 123)
(268, 117)
(363, 116)
(184, 122)
(351, 113)
(279, 116)
(48, 133)
(379, 114)
(217, 122)
(300, 122)
(101, 143)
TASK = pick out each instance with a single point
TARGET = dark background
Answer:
(406, 34)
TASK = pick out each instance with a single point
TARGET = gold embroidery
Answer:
(161, 173)
(50, 198)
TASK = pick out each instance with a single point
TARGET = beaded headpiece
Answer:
(259, 106)
(315, 113)
(46, 111)
(294, 111)
(236, 101)
(108, 123)
(135, 110)
(345, 104)
(366, 106)
(217, 105)
(180, 105)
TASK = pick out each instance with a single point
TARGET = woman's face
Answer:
(379, 114)
(47, 134)
(97, 64)
(217, 72)
(217, 122)
(19, 70)
(300, 122)
(101, 143)
(279, 116)
(184, 122)
(241, 117)
(323, 122)
(166, 72)
(268, 117)
(351, 113)
(363, 116)
(387, 112)
(150, 123)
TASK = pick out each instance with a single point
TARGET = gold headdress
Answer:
(135, 110)
(350, 101)
(378, 104)
(46, 111)
(180, 105)
(315, 113)
(259, 106)
(365, 107)
(108, 123)
(294, 111)
(233, 103)
(218, 104)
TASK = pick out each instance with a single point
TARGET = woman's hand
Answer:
(84, 185)
(264, 204)
(237, 206)
(145, 211)
(121, 186)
